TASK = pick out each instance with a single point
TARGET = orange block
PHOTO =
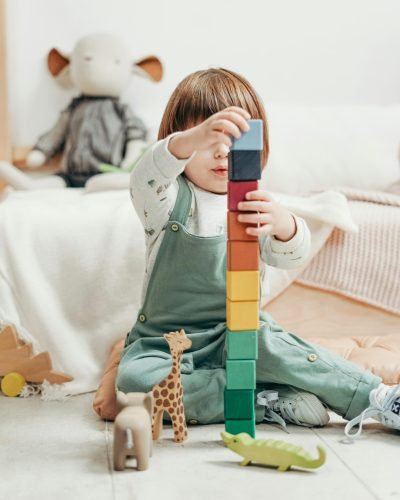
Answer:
(242, 315)
(243, 256)
(237, 230)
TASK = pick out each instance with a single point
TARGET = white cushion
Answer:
(318, 148)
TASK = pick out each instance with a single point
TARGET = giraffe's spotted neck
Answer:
(176, 362)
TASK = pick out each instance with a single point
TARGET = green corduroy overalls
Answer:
(187, 289)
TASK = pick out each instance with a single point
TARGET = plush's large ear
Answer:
(150, 67)
(56, 62)
(58, 65)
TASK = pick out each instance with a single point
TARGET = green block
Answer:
(240, 374)
(242, 344)
(238, 426)
(239, 405)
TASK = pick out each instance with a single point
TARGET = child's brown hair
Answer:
(205, 92)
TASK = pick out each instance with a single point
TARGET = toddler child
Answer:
(179, 192)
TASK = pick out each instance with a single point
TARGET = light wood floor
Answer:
(309, 312)
(61, 450)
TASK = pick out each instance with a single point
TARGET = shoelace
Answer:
(277, 411)
(382, 409)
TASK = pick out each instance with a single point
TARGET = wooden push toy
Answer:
(270, 452)
(18, 365)
(242, 285)
(168, 394)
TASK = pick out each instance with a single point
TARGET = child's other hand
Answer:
(271, 217)
(216, 130)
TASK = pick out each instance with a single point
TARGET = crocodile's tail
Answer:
(317, 462)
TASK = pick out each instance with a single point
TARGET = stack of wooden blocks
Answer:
(242, 285)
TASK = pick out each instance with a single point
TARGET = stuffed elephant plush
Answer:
(96, 128)
(132, 429)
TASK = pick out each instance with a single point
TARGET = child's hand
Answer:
(270, 216)
(217, 129)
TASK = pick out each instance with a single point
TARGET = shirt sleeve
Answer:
(154, 188)
(52, 142)
(287, 254)
(135, 129)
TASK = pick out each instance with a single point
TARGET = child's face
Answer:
(208, 169)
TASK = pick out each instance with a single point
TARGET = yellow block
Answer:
(243, 285)
(242, 315)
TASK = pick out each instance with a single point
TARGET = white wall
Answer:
(306, 52)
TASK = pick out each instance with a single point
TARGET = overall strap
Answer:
(183, 202)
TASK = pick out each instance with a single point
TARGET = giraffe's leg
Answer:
(185, 431)
(175, 424)
(157, 423)
(180, 429)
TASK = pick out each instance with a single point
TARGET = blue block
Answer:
(251, 140)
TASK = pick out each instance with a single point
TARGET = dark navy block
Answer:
(244, 165)
(251, 140)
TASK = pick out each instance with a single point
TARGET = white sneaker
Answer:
(288, 404)
(385, 410)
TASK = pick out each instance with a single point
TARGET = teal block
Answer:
(238, 426)
(251, 140)
(240, 374)
(239, 405)
(242, 344)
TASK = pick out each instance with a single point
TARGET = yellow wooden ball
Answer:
(12, 384)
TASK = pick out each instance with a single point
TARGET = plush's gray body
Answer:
(90, 131)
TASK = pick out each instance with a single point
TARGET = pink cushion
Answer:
(380, 355)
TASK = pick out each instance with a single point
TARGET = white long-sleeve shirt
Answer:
(154, 189)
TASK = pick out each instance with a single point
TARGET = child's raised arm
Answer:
(153, 182)
(216, 129)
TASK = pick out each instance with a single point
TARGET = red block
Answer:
(243, 256)
(237, 192)
(237, 230)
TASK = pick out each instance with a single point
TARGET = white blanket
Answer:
(71, 266)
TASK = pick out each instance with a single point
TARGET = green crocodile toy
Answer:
(270, 452)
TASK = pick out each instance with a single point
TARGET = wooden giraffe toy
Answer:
(168, 394)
